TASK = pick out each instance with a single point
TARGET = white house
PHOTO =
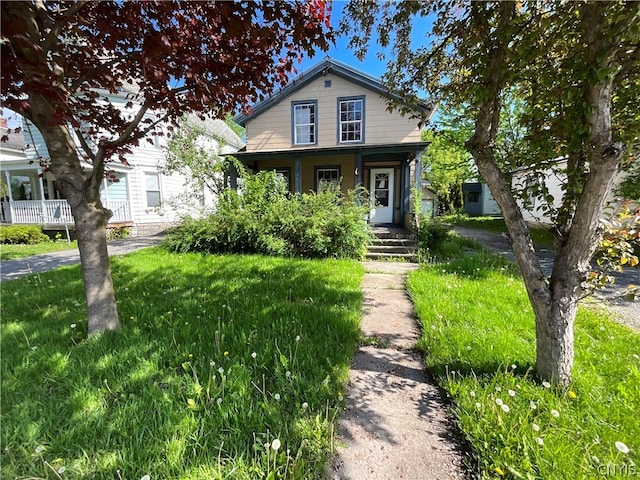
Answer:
(138, 194)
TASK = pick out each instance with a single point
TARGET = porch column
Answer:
(233, 177)
(41, 187)
(419, 169)
(406, 187)
(297, 175)
(358, 172)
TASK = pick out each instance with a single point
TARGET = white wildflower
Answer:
(546, 384)
(511, 393)
(221, 370)
(145, 477)
(61, 469)
(254, 355)
(505, 407)
(536, 427)
(499, 401)
(275, 445)
(219, 401)
(555, 413)
(540, 441)
(277, 396)
(622, 448)
(533, 405)
(472, 393)
(73, 325)
(478, 405)
(305, 405)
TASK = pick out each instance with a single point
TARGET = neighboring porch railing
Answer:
(55, 212)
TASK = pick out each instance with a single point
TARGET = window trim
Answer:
(326, 167)
(146, 189)
(361, 98)
(295, 104)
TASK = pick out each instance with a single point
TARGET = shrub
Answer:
(265, 218)
(431, 234)
(22, 234)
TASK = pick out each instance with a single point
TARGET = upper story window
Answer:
(304, 122)
(351, 120)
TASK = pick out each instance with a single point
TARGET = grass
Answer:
(225, 367)
(479, 335)
(540, 236)
(11, 252)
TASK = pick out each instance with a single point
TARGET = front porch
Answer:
(52, 213)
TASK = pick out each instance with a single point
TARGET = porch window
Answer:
(304, 123)
(152, 182)
(351, 120)
(283, 175)
(327, 177)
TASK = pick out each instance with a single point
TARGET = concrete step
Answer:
(406, 257)
(392, 248)
(394, 241)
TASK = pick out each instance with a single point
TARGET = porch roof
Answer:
(364, 150)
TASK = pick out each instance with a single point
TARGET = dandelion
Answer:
(572, 394)
(340, 397)
(305, 405)
(72, 326)
(277, 396)
(226, 354)
(533, 405)
(546, 384)
(191, 355)
(511, 393)
(145, 477)
(622, 448)
(539, 441)
(275, 445)
(472, 393)
(478, 405)
(288, 374)
(297, 338)
(61, 469)
(505, 407)
(221, 370)
(254, 355)
(555, 413)
(219, 401)
(498, 389)
(499, 401)
(212, 363)
(499, 471)
(535, 427)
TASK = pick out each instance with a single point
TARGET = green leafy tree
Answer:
(446, 166)
(575, 66)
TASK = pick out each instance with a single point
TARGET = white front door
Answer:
(381, 194)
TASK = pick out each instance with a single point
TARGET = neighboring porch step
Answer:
(384, 248)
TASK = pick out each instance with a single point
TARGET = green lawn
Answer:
(10, 252)
(226, 367)
(479, 336)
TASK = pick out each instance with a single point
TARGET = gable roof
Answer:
(329, 65)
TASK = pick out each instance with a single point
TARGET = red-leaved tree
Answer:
(210, 57)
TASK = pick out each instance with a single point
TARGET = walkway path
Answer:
(395, 424)
(12, 269)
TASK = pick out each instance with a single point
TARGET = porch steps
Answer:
(392, 243)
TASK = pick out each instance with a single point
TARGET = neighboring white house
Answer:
(138, 194)
(554, 178)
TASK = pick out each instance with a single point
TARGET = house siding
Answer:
(271, 131)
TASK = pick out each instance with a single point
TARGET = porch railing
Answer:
(55, 212)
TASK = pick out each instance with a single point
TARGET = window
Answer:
(327, 177)
(283, 175)
(351, 120)
(473, 197)
(152, 182)
(304, 123)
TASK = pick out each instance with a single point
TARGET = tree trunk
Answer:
(102, 311)
(82, 192)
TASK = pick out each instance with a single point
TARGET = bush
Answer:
(22, 234)
(265, 218)
(431, 234)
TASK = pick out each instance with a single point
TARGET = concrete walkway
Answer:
(395, 424)
(12, 269)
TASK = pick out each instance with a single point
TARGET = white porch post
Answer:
(42, 204)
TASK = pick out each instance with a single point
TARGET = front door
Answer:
(381, 195)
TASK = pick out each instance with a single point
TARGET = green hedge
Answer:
(265, 218)
(22, 234)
